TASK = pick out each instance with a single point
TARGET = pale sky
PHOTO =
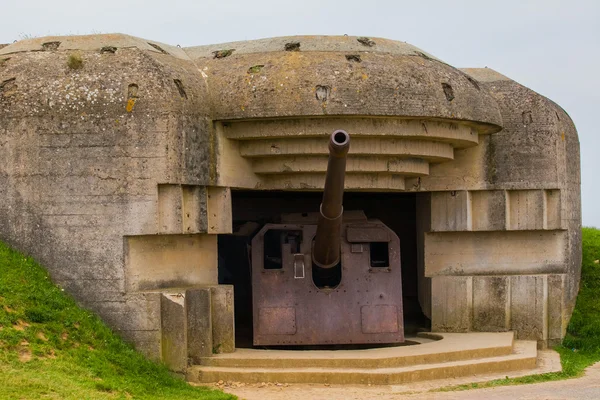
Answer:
(551, 46)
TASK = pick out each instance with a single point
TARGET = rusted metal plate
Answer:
(277, 320)
(381, 318)
(312, 217)
(367, 234)
(366, 306)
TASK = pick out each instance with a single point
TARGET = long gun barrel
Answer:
(326, 251)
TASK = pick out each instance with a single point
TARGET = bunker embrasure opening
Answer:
(254, 211)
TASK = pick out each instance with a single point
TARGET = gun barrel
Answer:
(326, 251)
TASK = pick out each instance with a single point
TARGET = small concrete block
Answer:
(199, 324)
(553, 218)
(169, 209)
(219, 210)
(452, 303)
(526, 209)
(162, 261)
(490, 303)
(488, 210)
(223, 328)
(194, 209)
(528, 306)
(173, 332)
(450, 211)
(557, 320)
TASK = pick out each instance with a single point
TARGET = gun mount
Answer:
(331, 277)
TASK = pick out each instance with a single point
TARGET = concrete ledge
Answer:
(495, 253)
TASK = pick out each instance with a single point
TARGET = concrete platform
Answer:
(548, 361)
(451, 356)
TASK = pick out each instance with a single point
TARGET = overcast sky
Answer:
(550, 46)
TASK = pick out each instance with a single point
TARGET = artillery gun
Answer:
(331, 277)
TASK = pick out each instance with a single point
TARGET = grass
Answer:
(51, 348)
(581, 346)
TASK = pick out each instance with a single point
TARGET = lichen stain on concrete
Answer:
(130, 104)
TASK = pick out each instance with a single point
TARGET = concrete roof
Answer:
(280, 77)
(313, 43)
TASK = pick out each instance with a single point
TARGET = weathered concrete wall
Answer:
(83, 152)
(506, 235)
(119, 155)
(539, 148)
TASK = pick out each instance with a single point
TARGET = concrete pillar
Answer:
(491, 303)
(199, 324)
(173, 332)
(452, 303)
(222, 314)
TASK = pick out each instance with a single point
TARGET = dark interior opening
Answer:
(327, 278)
(380, 255)
(252, 209)
(340, 137)
(272, 249)
(274, 239)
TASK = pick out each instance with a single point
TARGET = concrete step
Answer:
(432, 348)
(523, 356)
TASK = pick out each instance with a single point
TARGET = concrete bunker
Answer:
(131, 184)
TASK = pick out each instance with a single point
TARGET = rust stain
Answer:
(130, 104)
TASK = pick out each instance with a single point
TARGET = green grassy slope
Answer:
(50, 348)
(581, 346)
